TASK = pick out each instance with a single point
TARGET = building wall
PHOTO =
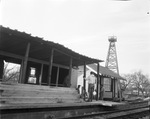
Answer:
(107, 83)
(108, 95)
(80, 79)
(74, 78)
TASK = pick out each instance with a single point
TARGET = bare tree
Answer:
(11, 74)
(137, 81)
(126, 84)
(140, 82)
(145, 85)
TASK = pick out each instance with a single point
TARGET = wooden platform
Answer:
(16, 94)
(53, 105)
(107, 103)
(19, 96)
(62, 110)
(23, 101)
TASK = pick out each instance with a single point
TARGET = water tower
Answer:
(111, 61)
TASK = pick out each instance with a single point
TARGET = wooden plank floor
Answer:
(36, 96)
(46, 105)
(68, 104)
(107, 103)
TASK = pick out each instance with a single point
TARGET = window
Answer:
(32, 77)
(107, 84)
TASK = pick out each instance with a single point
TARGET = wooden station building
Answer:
(47, 69)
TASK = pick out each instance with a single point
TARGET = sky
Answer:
(85, 25)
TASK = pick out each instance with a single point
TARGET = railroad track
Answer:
(117, 114)
(78, 111)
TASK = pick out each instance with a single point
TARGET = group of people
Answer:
(92, 84)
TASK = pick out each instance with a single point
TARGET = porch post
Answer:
(119, 90)
(1, 69)
(98, 83)
(50, 67)
(70, 70)
(102, 86)
(41, 74)
(114, 88)
(25, 63)
(100, 94)
(57, 76)
(84, 81)
(21, 70)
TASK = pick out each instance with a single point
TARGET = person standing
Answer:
(91, 85)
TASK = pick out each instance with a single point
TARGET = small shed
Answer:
(108, 78)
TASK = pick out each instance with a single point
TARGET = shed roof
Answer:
(105, 71)
(15, 42)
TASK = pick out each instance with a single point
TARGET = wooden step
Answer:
(19, 100)
(32, 87)
(23, 93)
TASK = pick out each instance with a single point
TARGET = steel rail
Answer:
(111, 114)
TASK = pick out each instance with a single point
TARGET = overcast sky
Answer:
(85, 25)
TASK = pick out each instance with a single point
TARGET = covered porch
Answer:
(44, 66)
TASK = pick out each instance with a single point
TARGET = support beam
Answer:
(98, 82)
(119, 87)
(3, 53)
(112, 87)
(70, 69)
(1, 69)
(25, 63)
(100, 95)
(41, 74)
(50, 67)
(84, 81)
(78, 58)
(21, 71)
(114, 80)
(57, 76)
(102, 86)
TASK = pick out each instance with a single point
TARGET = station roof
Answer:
(14, 43)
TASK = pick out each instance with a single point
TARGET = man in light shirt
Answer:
(92, 85)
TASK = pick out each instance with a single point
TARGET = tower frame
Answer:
(111, 61)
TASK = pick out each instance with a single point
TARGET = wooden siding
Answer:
(108, 95)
